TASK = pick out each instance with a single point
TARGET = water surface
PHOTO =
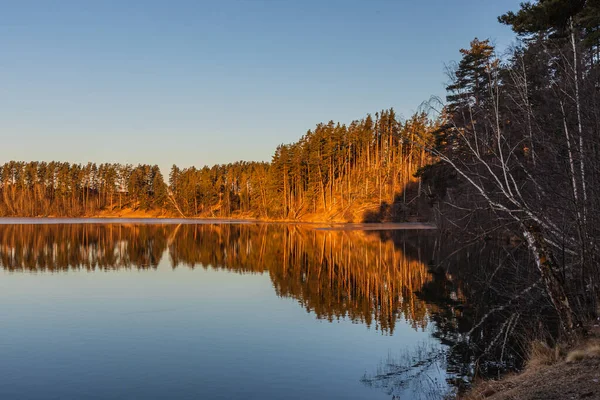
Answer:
(216, 311)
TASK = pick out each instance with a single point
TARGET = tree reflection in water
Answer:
(333, 274)
(374, 278)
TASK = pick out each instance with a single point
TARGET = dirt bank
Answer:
(550, 375)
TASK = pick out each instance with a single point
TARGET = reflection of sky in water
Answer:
(180, 333)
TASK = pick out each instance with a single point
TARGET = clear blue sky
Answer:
(195, 82)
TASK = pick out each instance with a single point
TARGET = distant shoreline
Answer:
(329, 226)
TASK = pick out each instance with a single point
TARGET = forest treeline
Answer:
(35, 189)
(334, 170)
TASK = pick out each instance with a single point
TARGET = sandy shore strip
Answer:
(383, 226)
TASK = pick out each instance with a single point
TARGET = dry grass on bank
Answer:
(551, 374)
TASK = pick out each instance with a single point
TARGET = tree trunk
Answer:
(553, 282)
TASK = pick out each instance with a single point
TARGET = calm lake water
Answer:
(217, 311)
